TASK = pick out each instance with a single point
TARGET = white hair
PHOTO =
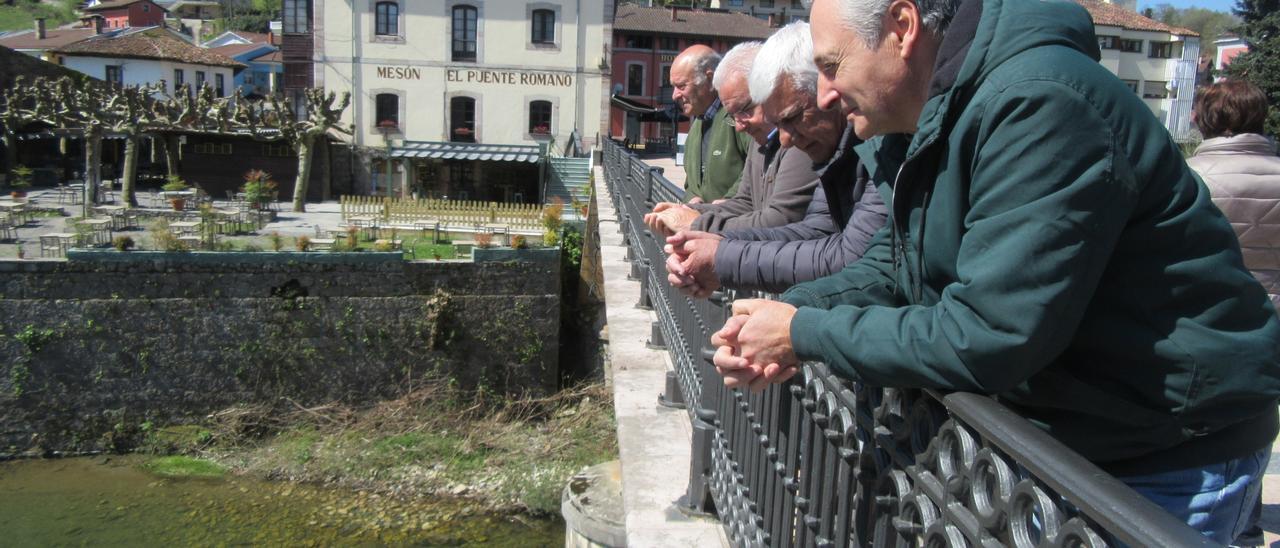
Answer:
(864, 17)
(736, 61)
(789, 52)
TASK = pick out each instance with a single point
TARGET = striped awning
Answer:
(467, 151)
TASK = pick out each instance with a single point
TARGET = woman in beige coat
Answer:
(1242, 171)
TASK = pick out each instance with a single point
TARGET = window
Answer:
(212, 148)
(462, 120)
(1131, 84)
(179, 78)
(464, 33)
(1130, 46)
(695, 41)
(387, 110)
(635, 79)
(1155, 89)
(639, 41)
(115, 74)
(540, 117)
(296, 16)
(797, 4)
(766, 3)
(668, 43)
(1108, 42)
(199, 79)
(1164, 50)
(278, 150)
(388, 19)
(735, 3)
(544, 27)
(218, 83)
(146, 8)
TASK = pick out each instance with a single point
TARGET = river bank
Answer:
(437, 440)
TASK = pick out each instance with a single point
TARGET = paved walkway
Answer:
(653, 441)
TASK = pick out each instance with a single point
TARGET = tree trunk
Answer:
(10, 152)
(129, 178)
(326, 174)
(170, 153)
(92, 171)
(305, 152)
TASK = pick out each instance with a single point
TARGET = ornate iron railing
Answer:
(822, 461)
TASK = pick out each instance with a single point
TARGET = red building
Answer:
(645, 42)
(116, 14)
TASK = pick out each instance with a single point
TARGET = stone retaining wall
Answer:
(90, 350)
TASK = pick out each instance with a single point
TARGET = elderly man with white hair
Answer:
(1046, 244)
(844, 215)
(777, 181)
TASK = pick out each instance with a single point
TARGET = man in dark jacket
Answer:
(842, 218)
(777, 181)
(1047, 243)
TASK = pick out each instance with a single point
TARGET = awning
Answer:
(49, 134)
(648, 113)
(467, 151)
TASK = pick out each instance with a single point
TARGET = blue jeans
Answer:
(1216, 500)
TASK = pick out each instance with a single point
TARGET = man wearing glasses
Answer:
(777, 182)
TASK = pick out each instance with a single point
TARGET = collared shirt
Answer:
(706, 126)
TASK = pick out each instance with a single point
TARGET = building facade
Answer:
(785, 11)
(118, 14)
(645, 42)
(150, 55)
(465, 72)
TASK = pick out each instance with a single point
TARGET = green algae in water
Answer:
(111, 502)
(184, 467)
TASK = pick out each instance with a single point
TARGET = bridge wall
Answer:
(90, 350)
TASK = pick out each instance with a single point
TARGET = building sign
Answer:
(510, 77)
(400, 73)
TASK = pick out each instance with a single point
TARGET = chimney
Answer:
(773, 20)
(97, 25)
(40, 28)
(673, 13)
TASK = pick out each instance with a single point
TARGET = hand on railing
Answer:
(755, 344)
(691, 262)
(669, 218)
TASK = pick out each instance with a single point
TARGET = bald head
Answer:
(691, 73)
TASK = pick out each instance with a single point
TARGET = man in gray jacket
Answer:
(846, 210)
(777, 181)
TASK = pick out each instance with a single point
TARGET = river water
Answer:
(110, 501)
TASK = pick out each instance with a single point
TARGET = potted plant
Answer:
(21, 180)
(176, 184)
(258, 188)
(22, 253)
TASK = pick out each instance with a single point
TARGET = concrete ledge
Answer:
(232, 257)
(653, 441)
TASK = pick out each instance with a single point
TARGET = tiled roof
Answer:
(255, 37)
(232, 50)
(155, 43)
(273, 57)
(113, 4)
(14, 64)
(53, 38)
(1112, 15)
(698, 22)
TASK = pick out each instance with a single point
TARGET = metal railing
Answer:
(822, 461)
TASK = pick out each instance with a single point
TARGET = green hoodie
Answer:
(1048, 244)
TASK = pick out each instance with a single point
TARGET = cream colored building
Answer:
(783, 11)
(500, 72)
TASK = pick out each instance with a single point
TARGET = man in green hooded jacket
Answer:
(1046, 243)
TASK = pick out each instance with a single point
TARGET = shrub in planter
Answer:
(277, 241)
(258, 188)
(303, 243)
(484, 240)
(20, 180)
(176, 184)
(122, 243)
(519, 242)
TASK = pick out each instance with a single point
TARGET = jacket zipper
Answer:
(899, 242)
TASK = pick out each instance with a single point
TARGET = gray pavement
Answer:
(653, 441)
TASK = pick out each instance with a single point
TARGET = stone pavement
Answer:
(653, 441)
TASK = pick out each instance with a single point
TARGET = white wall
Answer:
(146, 71)
(508, 73)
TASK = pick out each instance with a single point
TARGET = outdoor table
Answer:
(182, 228)
(101, 228)
(429, 224)
(117, 214)
(65, 241)
(366, 223)
(16, 210)
(227, 217)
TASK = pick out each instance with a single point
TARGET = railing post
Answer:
(698, 499)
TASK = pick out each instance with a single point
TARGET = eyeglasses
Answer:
(743, 114)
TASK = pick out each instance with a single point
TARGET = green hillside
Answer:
(21, 14)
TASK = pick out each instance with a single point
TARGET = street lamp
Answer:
(386, 128)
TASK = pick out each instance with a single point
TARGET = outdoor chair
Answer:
(50, 246)
(106, 192)
(7, 230)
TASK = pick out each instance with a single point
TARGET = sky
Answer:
(1216, 5)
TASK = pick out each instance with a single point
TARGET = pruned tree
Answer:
(132, 117)
(17, 110)
(320, 112)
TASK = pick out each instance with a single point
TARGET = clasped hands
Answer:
(755, 345)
